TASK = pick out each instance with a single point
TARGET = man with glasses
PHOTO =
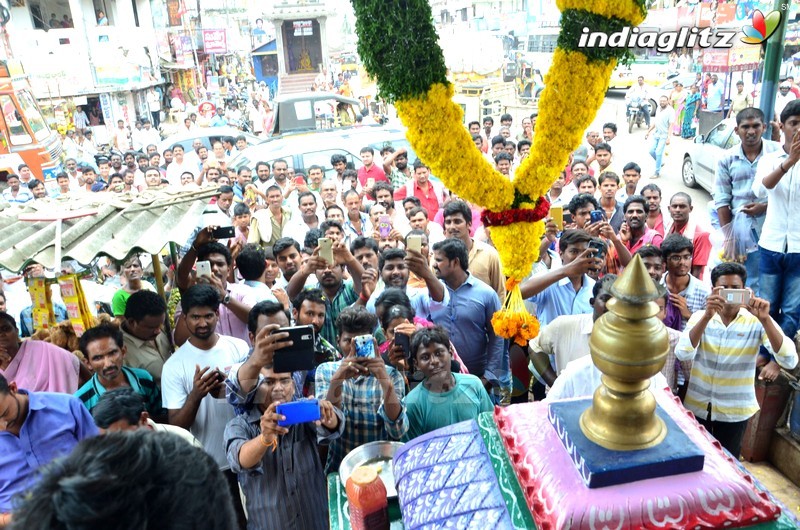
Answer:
(686, 293)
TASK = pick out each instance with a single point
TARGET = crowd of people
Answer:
(384, 255)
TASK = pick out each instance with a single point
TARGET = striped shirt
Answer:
(345, 297)
(286, 489)
(364, 412)
(722, 386)
(733, 182)
(139, 380)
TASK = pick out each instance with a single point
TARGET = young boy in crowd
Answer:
(723, 341)
(443, 398)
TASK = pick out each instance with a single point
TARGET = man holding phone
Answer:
(192, 380)
(723, 341)
(369, 393)
(278, 483)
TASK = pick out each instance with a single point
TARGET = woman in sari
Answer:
(691, 105)
(678, 99)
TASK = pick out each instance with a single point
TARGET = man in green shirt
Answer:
(444, 397)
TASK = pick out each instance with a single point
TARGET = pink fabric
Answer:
(42, 367)
(719, 496)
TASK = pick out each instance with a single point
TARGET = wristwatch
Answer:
(226, 299)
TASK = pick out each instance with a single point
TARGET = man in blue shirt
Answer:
(219, 118)
(715, 93)
(733, 184)
(467, 315)
(35, 428)
(566, 290)
(15, 193)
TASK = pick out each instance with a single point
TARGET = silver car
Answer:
(300, 151)
(666, 88)
(700, 160)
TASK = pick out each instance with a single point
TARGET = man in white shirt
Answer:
(149, 135)
(783, 97)
(192, 381)
(80, 119)
(179, 166)
(639, 91)
(122, 137)
(665, 116)
(778, 179)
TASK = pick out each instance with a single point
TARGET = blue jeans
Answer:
(779, 283)
(657, 151)
(751, 264)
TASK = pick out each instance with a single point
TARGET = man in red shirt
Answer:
(680, 208)
(370, 170)
(430, 194)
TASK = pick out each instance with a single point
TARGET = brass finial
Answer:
(628, 345)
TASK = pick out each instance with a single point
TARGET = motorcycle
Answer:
(635, 113)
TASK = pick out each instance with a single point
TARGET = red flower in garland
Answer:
(517, 215)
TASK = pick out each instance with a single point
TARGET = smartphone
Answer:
(348, 185)
(365, 347)
(557, 215)
(300, 355)
(414, 242)
(404, 341)
(370, 183)
(326, 249)
(300, 181)
(203, 268)
(735, 296)
(567, 218)
(223, 232)
(597, 215)
(220, 375)
(599, 248)
(302, 411)
(384, 226)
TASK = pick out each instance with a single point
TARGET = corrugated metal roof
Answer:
(122, 224)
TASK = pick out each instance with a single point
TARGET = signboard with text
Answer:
(215, 41)
(302, 27)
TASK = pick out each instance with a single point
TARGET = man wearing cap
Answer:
(794, 68)
(783, 97)
(740, 100)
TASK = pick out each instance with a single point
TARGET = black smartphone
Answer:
(220, 375)
(300, 355)
(599, 248)
(597, 215)
(567, 218)
(223, 232)
(404, 341)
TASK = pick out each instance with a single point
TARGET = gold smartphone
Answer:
(326, 249)
(557, 215)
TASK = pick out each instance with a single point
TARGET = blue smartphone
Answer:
(365, 347)
(597, 215)
(295, 412)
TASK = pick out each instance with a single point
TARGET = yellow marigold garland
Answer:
(449, 151)
(572, 79)
(575, 86)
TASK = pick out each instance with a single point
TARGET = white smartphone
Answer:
(204, 268)
(365, 347)
(414, 242)
(735, 296)
(326, 249)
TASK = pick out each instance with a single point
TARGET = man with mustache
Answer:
(733, 183)
(193, 379)
(104, 349)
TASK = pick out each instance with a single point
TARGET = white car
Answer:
(208, 135)
(700, 160)
(665, 89)
(300, 151)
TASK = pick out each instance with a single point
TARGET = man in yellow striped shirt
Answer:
(723, 342)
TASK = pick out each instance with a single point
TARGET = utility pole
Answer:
(772, 66)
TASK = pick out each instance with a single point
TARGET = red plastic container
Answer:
(366, 495)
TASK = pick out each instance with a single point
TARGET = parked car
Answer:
(300, 151)
(207, 135)
(700, 160)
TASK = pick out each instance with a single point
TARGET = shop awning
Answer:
(171, 65)
(121, 225)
